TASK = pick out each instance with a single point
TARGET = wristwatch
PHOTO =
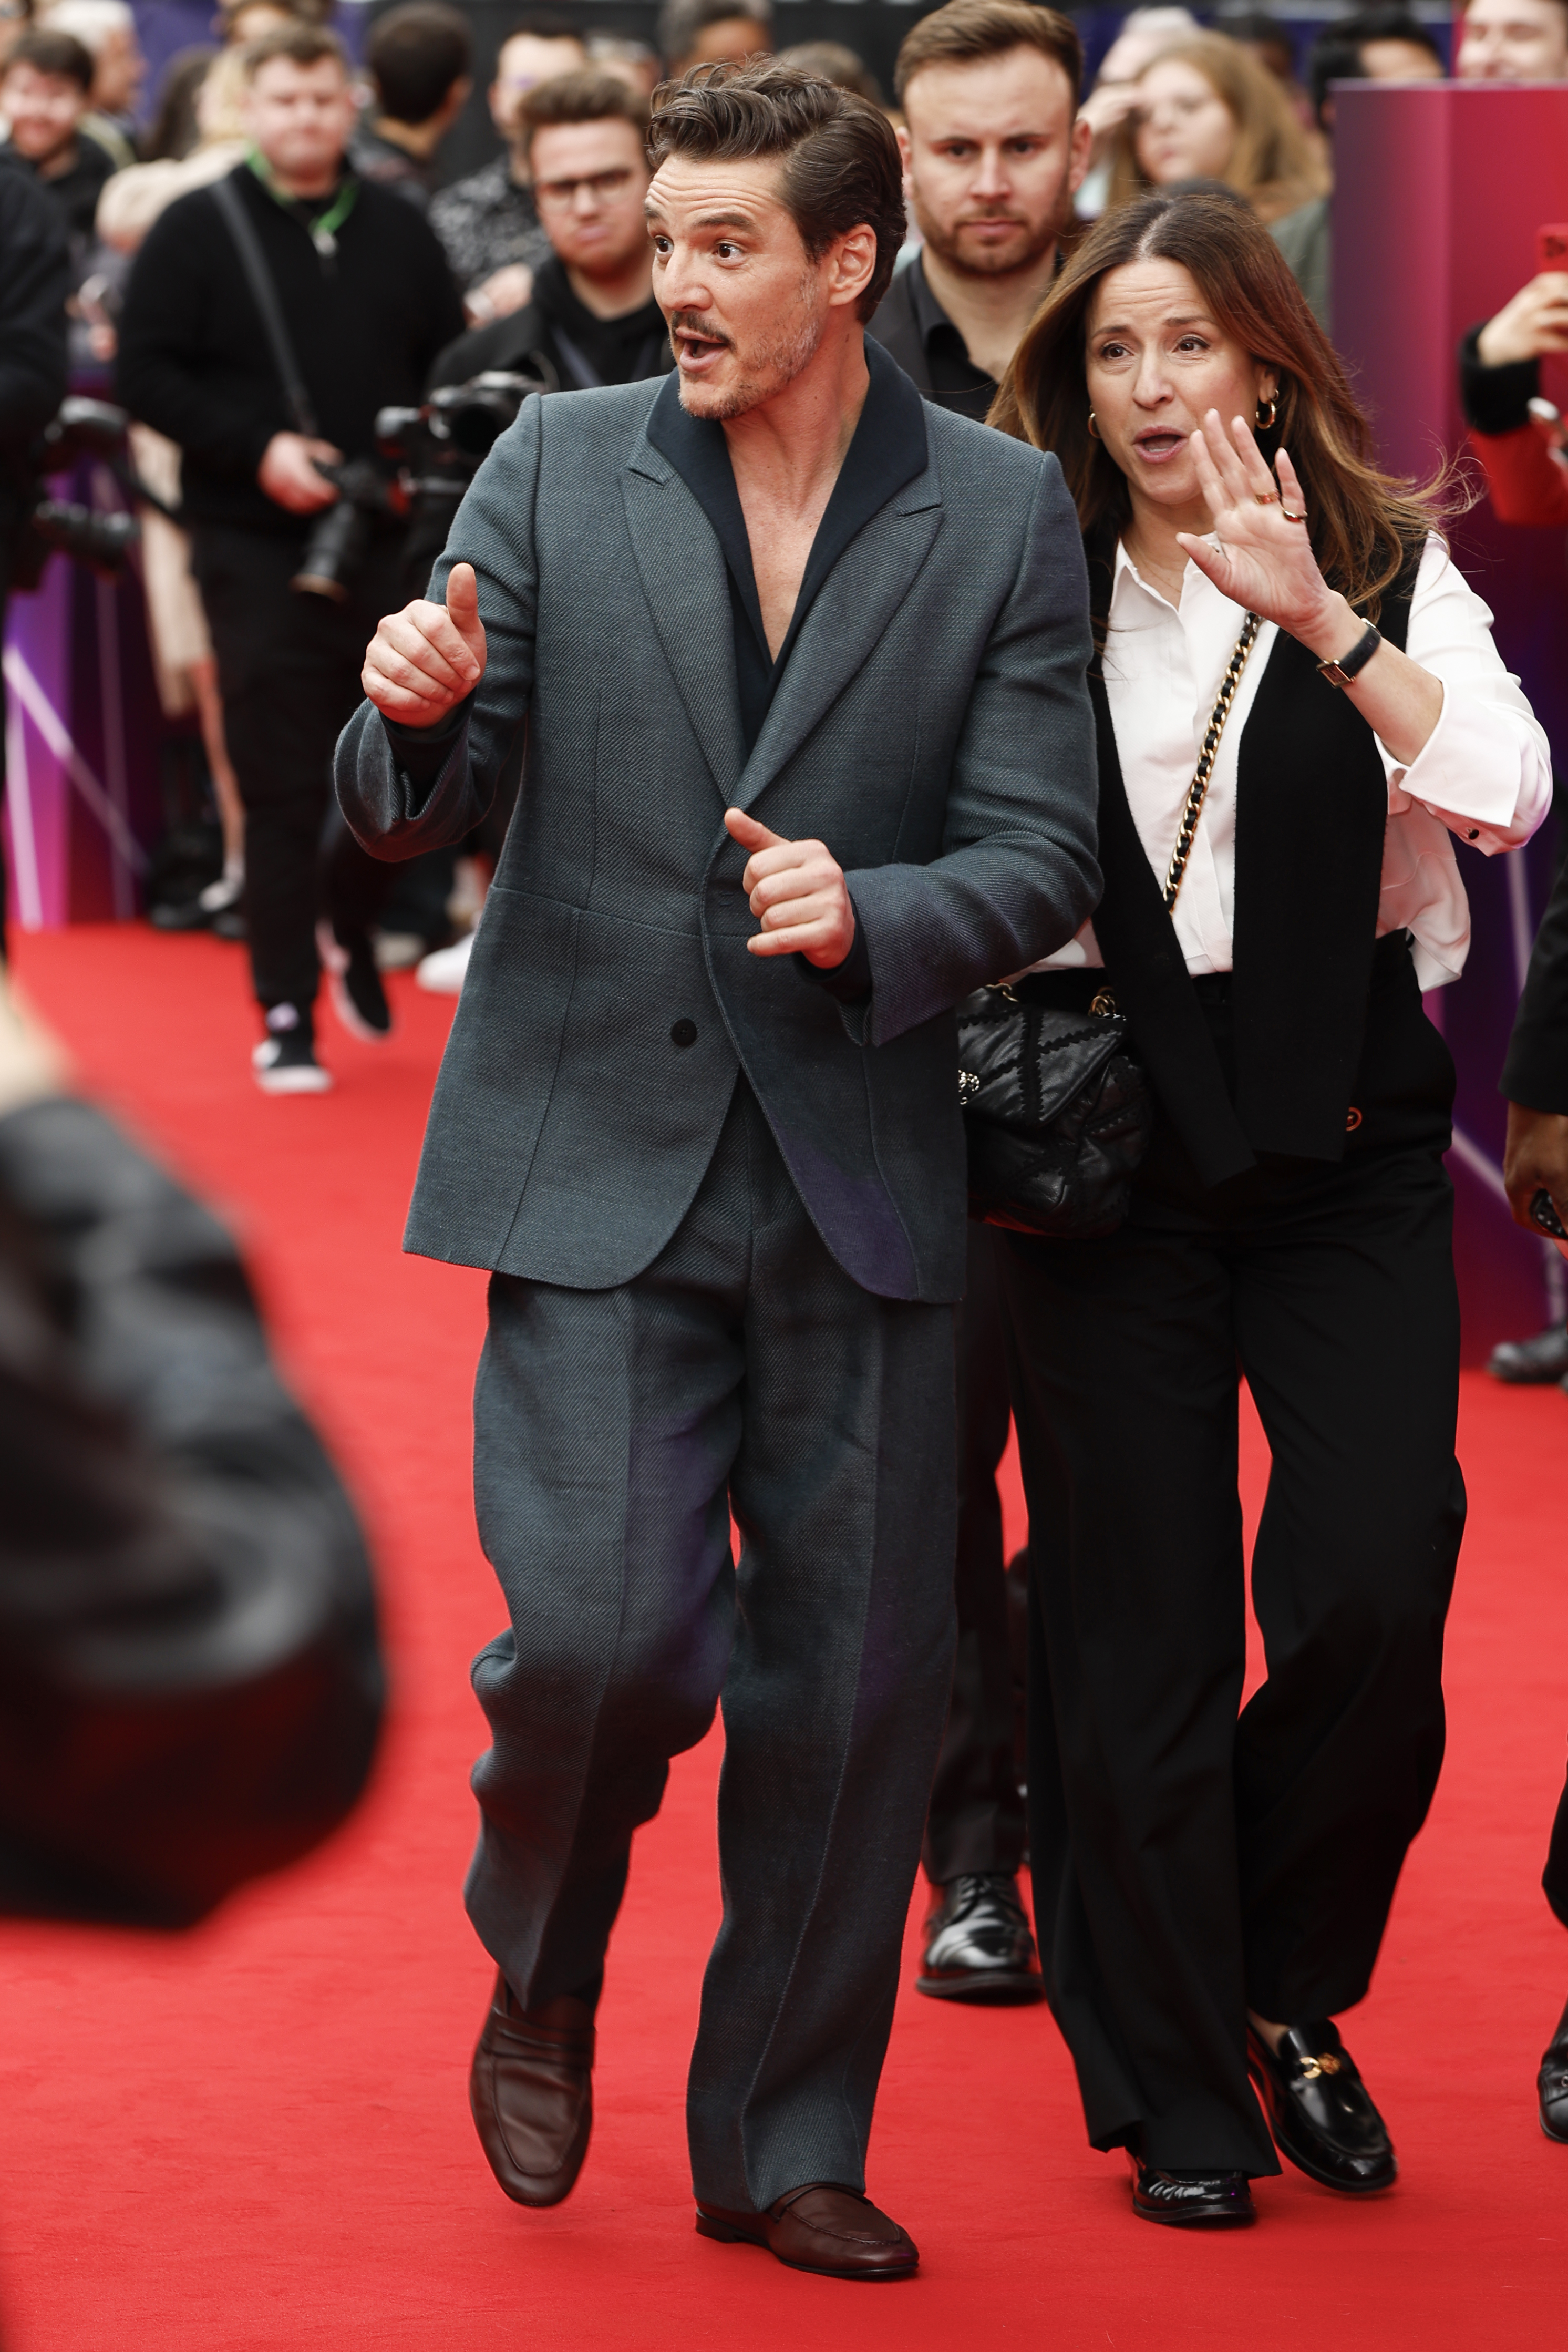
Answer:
(1351, 664)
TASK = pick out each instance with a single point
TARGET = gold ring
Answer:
(1267, 498)
(1290, 517)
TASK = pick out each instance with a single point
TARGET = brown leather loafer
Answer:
(837, 2232)
(532, 2090)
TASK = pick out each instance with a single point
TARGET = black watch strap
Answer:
(1351, 664)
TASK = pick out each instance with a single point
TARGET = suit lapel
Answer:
(851, 610)
(684, 579)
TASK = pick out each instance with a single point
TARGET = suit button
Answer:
(685, 1033)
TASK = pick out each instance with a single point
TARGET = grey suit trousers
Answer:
(614, 1431)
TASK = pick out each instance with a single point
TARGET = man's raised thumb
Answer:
(463, 598)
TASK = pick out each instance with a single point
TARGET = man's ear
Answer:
(854, 265)
(1081, 144)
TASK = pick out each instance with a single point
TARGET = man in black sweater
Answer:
(34, 283)
(592, 318)
(366, 301)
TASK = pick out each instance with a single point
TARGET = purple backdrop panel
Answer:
(1439, 191)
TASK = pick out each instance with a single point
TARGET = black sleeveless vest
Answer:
(1311, 803)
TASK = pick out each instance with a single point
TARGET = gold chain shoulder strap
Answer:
(1199, 788)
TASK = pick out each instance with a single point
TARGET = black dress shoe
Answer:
(1551, 2084)
(978, 1944)
(1524, 1363)
(1191, 2200)
(1319, 2109)
(532, 2091)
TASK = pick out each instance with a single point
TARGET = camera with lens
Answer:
(439, 447)
(342, 532)
(82, 430)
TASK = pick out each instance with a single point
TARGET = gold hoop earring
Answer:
(1265, 423)
(1093, 428)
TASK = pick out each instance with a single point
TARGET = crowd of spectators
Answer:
(551, 274)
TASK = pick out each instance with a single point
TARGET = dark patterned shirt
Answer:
(488, 221)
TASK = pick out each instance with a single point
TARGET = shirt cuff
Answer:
(1495, 399)
(420, 753)
(1470, 775)
(849, 981)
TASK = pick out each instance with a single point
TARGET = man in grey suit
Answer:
(807, 757)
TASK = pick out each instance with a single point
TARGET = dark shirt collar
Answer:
(888, 451)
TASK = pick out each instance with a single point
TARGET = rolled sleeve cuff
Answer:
(1479, 777)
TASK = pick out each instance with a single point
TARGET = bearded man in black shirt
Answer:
(366, 301)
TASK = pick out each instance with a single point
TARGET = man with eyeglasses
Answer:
(488, 221)
(592, 319)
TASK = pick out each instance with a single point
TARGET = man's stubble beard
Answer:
(971, 262)
(766, 369)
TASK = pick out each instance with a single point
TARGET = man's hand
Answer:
(423, 661)
(1533, 323)
(798, 892)
(503, 292)
(288, 473)
(1535, 1160)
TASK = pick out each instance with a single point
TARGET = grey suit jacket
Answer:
(931, 725)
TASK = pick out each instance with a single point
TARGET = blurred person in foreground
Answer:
(1212, 1881)
(992, 152)
(1207, 111)
(418, 59)
(634, 61)
(107, 31)
(488, 224)
(698, 1118)
(1511, 40)
(367, 300)
(831, 61)
(712, 32)
(45, 86)
(35, 280)
(191, 1682)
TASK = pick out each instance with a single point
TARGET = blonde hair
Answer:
(1273, 163)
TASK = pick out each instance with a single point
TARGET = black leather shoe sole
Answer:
(988, 1987)
(1226, 2210)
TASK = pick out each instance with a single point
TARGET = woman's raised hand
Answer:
(1264, 561)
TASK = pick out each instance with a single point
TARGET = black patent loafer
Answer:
(1192, 2200)
(1551, 2084)
(978, 1944)
(1320, 2111)
(1527, 1363)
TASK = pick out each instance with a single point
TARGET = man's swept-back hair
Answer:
(839, 158)
(591, 96)
(1363, 524)
(301, 44)
(967, 31)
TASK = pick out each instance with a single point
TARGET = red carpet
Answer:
(257, 2137)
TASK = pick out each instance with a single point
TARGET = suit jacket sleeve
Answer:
(1017, 876)
(1535, 1073)
(405, 789)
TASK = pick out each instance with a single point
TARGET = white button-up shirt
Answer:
(1484, 773)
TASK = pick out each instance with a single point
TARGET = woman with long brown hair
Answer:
(1297, 703)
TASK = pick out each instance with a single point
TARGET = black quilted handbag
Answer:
(1057, 1112)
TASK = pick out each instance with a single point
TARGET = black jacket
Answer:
(34, 283)
(582, 351)
(190, 1682)
(1536, 1071)
(195, 364)
(911, 326)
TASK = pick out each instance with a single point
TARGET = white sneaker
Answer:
(286, 1064)
(442, 972)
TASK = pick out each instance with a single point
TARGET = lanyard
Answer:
(323, 231)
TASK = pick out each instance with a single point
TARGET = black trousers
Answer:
(1189, 1865)
(977, 1821)
(288, 668)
